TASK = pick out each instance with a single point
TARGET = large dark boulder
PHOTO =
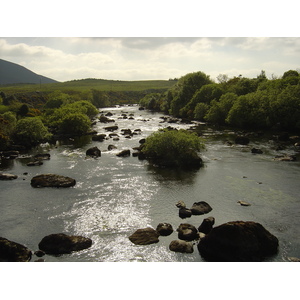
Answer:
(60, 243)
(187, 232)
(7, 176)
(93, 152)
(164, 229)
(111, 128)
(144, 236)
(200, 208)
(13, 252)
(207, 225)
(52, 180)
(238, 241)
(181, 246)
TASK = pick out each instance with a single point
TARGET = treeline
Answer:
(41, 118)
(247, 103)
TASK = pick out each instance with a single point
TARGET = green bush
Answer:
(75, 124)
(173, 148)
(30, 132)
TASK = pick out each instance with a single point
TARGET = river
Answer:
(115, 196)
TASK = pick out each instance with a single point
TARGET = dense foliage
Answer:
(240, 102)
(173, 147)
(36, 121)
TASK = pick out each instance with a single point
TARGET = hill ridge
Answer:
(12, 73)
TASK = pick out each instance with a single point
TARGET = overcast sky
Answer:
(166, 51)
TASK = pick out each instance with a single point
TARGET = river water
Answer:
(115, 196)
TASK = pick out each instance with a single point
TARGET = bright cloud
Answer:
(144, 58)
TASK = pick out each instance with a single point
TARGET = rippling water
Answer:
(115, 196)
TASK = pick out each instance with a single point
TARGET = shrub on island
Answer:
(173, 148)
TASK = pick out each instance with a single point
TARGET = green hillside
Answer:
(85, 85)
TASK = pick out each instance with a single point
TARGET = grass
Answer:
(84, 85)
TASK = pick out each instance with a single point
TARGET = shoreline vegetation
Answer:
(28, 116)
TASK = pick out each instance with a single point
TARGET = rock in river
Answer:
(60, 243)
(93, 152)
(13, 252)
(144, 236)
(238, 241)
(200, 208)
(52, 180)
(181, 246)
(187, 232)
(164, 229)
(207, 225)
(7, 176)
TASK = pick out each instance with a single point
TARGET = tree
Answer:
(30, 132)
(185, 88)
(75, 124)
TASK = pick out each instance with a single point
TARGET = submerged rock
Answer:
(52, 180)
(144, 236)
(238, 241)
(35, 163)
(181, 246)
(187, 232)
(256, 151)
(164, 229)
(7, 176)
(200, 208)
(60, 243)
(13, 252)
(285, 158)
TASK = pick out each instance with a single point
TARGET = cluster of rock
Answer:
(231, 241)
(53, 244)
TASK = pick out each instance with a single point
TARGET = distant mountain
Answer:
(11, 73)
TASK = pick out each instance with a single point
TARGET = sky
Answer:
(147, 58)
(124, 40)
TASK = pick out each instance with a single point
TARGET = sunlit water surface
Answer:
(115, 196)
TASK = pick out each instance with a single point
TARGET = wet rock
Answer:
(144, 236)
(99, 137)
(42, 156)
(181, 246)
(13, 252)
(183, 211)
(7, 176)
(293, 259)
(256, 151)
(187, 232)
(242, 140)
(207, 225)
(10, 154)
(52, 180)
(111, 147)
(35, 163)
(164, 229)
(39, 253)
(238, 241)
(285, 158)
(200, 208)
(94, 152)
(111, 128)
(60, 243)
(124, 153)
(104, 119)
(244, 203)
